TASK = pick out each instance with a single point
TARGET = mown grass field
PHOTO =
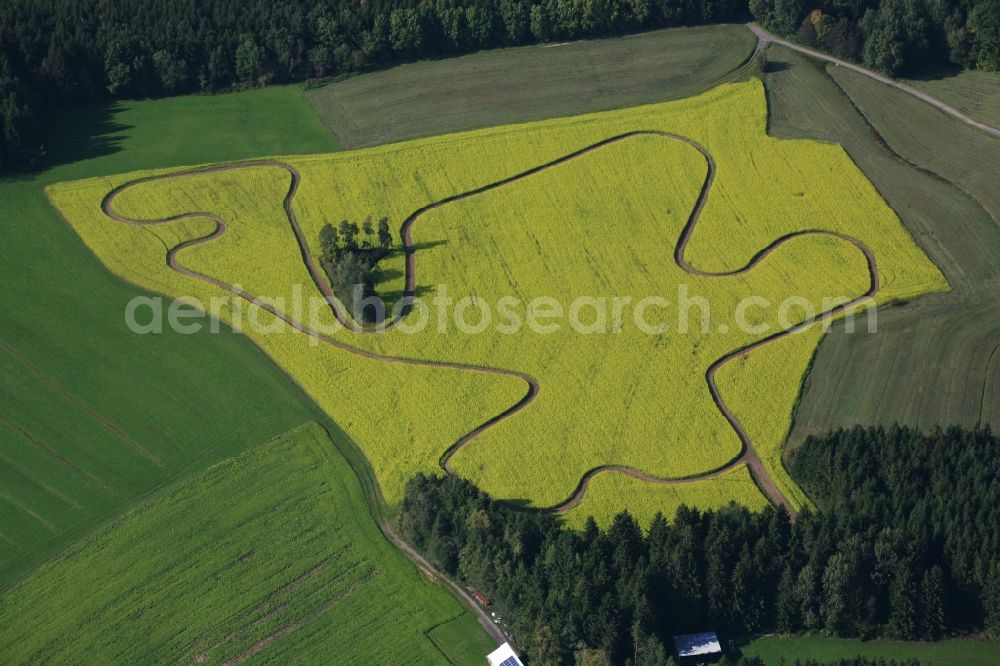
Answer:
(91, 416)
(267, 557)
(461, 640)
(529, 83)
(79, 390)
(974, 92)
(928, 137)
(824, 648)
(933, 361)
(602, 223)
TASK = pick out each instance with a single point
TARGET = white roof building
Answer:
(697, 645)
(503, 656)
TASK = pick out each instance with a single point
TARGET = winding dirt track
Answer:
(747, 454)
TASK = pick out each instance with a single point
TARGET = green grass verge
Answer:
(933, 361)
(964, 652)
(529, 83)
(92, 415)
(973, 92)
(268, 555)
(461, 640)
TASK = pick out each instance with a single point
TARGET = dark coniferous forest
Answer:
(59, 53)
(892, 36)
(905, 544)
(56, 53)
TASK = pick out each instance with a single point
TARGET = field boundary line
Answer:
(986, 384)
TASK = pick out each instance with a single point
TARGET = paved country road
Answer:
(766, 37)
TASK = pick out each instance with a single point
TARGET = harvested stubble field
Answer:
(972, 91)
(265, 557)
(587, 216)
(502, 86)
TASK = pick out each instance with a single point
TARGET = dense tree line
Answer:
(65, 52)
(57, 53)
(892, 36)
(906, 544)
(939, 494)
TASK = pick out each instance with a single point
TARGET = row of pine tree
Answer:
(905, 544)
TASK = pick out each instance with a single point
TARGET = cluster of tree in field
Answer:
(65, 52)
(892, 36)
(350, 254)
(906, 545)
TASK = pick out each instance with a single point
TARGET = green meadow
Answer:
(268, 556)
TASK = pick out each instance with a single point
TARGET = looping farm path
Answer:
(747, 454)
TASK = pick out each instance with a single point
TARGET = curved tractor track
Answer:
(747, 454)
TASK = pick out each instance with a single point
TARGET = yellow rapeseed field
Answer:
(599, 226)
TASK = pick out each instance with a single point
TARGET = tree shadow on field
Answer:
(427, 245)
(417, 247)
(527, 506)
(935, 73)
(84, 133)
(385, 274)
(67, 136)
(388, 274)
(392, 297)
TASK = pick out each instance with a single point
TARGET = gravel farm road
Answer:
(766, 37)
